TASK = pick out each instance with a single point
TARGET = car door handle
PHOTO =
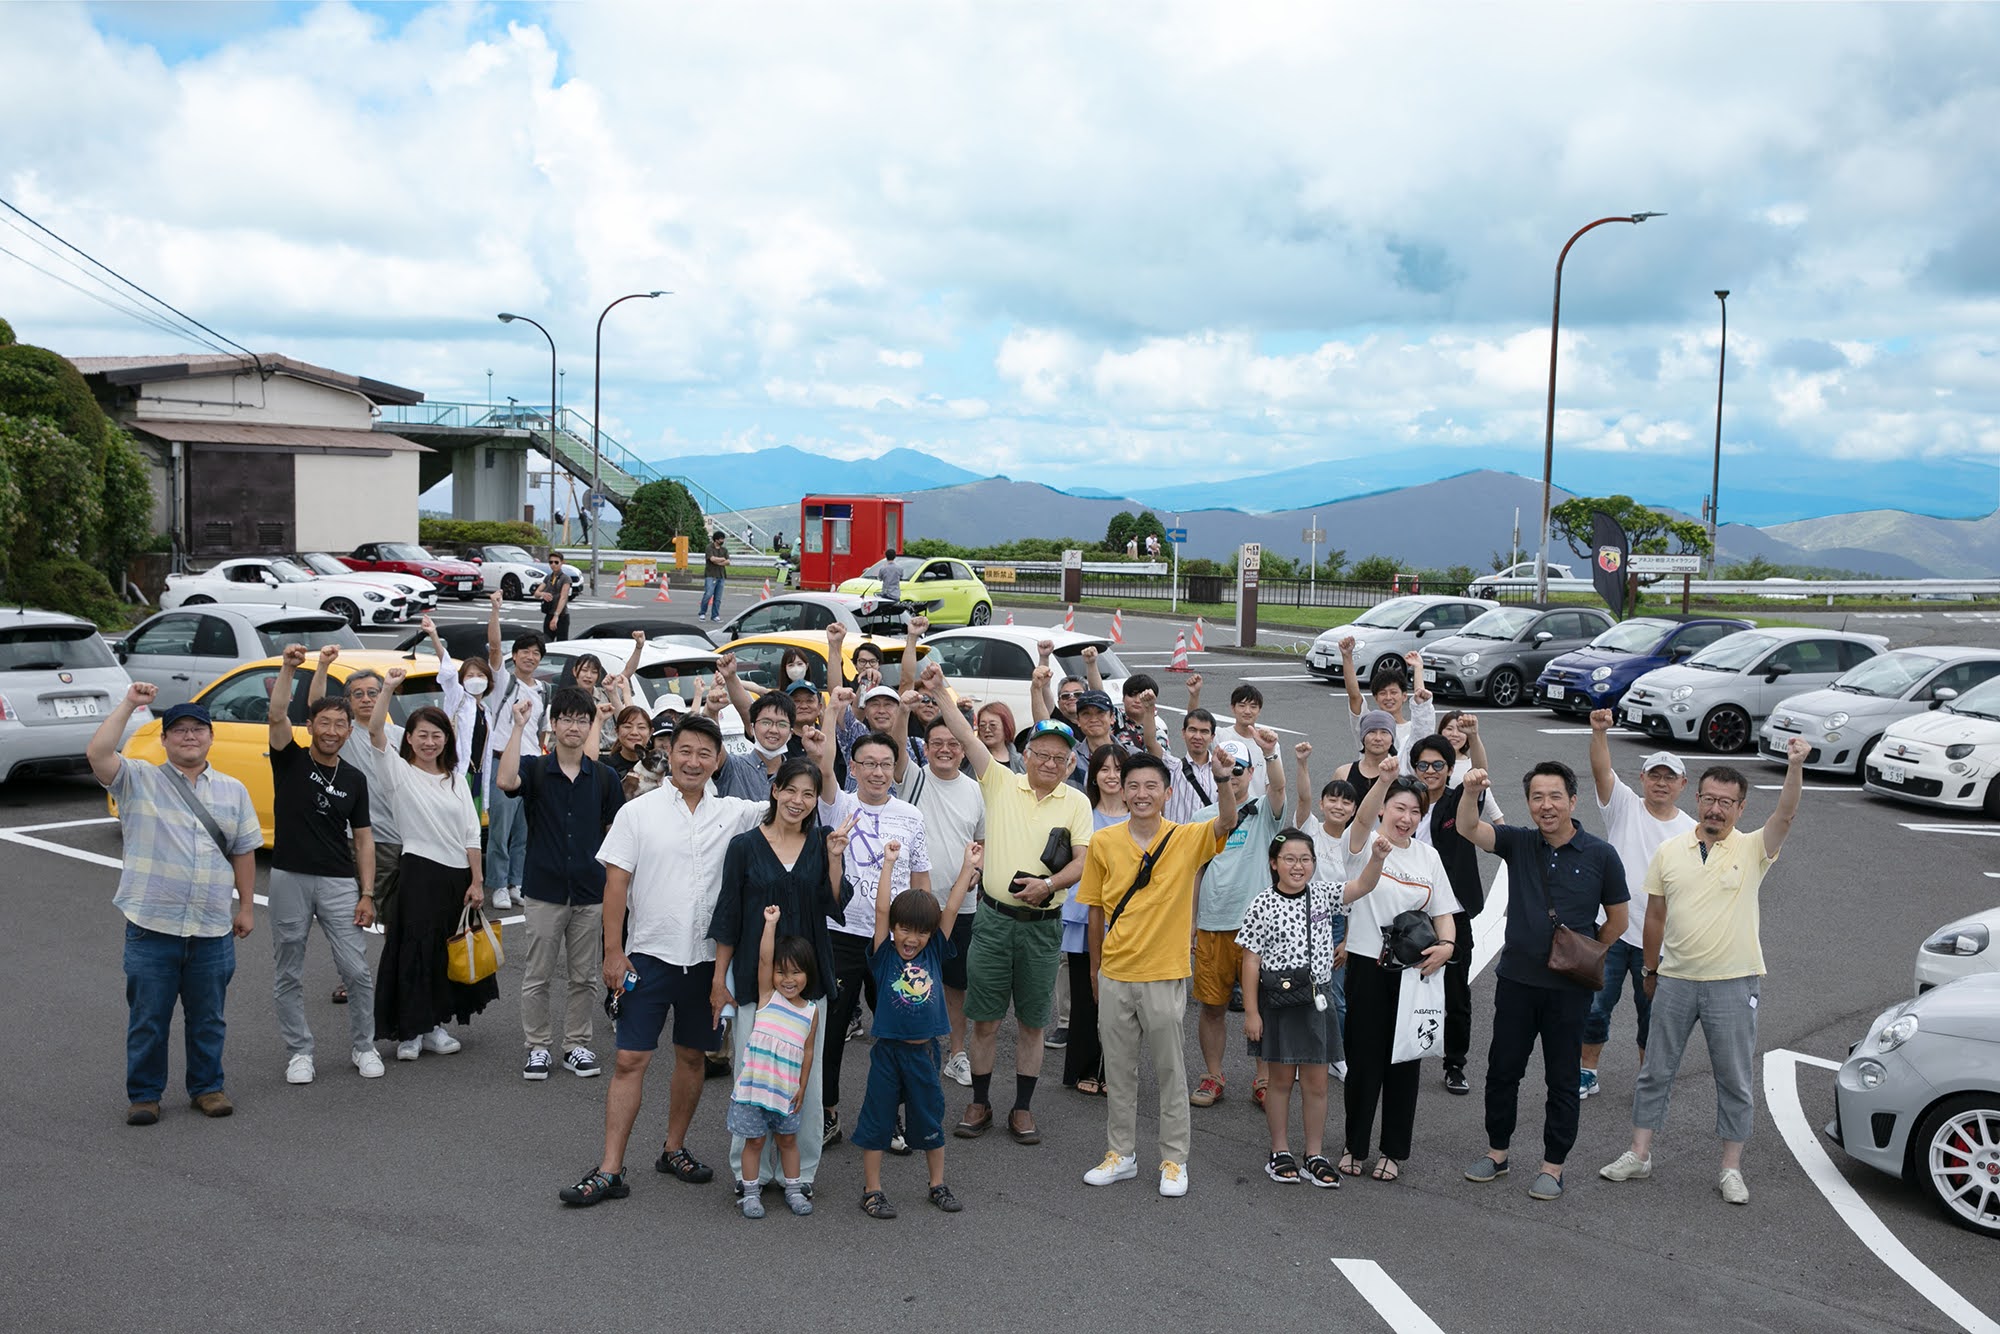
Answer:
(182, 676)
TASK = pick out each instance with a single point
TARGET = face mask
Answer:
(476, 686)
(762, 753)
(796, 672)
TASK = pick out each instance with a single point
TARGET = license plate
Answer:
(76, 708)
(1555, 692)
(1632, 716)
(1894, 773)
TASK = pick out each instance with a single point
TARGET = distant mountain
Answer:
(1304, 486)
(780, 475)
(1952, 548)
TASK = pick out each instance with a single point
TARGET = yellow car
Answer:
(759, 658)
(962, 597)
(240, 705)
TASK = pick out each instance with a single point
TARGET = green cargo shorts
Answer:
(1012, 962)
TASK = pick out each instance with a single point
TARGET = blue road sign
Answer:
(1176, 534)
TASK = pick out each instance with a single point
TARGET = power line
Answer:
(117, 299)
(144, 317)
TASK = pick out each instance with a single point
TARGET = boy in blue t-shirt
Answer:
(912, 941)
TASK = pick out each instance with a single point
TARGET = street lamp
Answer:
(1549, 433)
(506, 318)
(1715, 480)
(596, 410)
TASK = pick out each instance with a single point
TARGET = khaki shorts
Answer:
(1218, 966)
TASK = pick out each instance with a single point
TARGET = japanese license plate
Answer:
(1894, 773)
(1555, 692)
(76, 708)
(1632, 716)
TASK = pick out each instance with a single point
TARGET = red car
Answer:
(457, 577)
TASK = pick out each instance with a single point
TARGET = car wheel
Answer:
(510, 587)
(1992, 802)
(1861, 760)
(342, 607)
(1726, 730)
(1958, 1159)
(198, 600)
(981, 613)
(1504, 690)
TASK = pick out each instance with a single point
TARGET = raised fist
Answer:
(1478, 780)
(295, 655)
(1600, 720)
(141, 694)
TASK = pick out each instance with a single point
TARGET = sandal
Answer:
(1090, 1088)
(1257, 1087)
(1320, 1172)
(1349, 1167)
(876, 1205)
(942, 1197)
(340, 995)
(1282, 1168)
(597, 1186)
(1385, 1169)
(684, 1166)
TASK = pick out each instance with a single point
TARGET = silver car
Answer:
(1388, 630)
(1720, 695)
(57, 681)
(1919, 1098)
(1844, 721)
(183, 650)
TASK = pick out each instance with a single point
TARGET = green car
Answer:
(962, 598)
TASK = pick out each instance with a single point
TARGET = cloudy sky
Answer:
(1075, 243)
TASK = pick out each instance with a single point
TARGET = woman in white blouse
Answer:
(440, 874)
(464, 685)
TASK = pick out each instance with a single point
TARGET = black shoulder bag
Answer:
(1139, 881)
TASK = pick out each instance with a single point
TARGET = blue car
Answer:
(1596, 676)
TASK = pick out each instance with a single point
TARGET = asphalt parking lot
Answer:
(426, 1200)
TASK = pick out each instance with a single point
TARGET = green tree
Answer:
(1647, 529)
(1332, 563)
(127, 524)
(64, 492)
(657, 514)
(1119, 531)
(1374, 569)
(1754, 568)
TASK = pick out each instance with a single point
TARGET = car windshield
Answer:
(1982, 701)
(313, 634)
(403, 551)
(321, 563)
(1109, 667)
(514, 555)
(1632, 636)
(1889, 674)
(1502, 624)
(49, 648)
(1389, 615)
(289, 573)
(1732, 653)
(909, 565)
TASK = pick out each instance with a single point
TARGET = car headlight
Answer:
(1682, 692)
(1601, 674)
(1958, 752)
(1836, 720)
(1896, 1032)
(374, 597)
(1870, 1073)
(1359, 644)
(1468, 660)
(1959, 940)
(429, 573)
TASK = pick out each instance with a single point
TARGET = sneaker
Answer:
(1113, 1168)
(439, 1041)
(1629, 1167)
(299, 1070)
(502, 900)
(1338, 1070)
(1173, 1180)
(1588, 1086)
(855, 1032)
(752, 1202)
(582, 1062)
(958, 1069)
(796, 1198)
(1207, 1093)
(829, 1133)
(1455, 1081)
(538, 1065)
(368, 1062)
(409, 1051)
(593, 1188)
(1730, 1183)
(1057, 1038)
(898, 1145)
(1548, 1186)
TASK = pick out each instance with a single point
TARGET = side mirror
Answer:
(1679, 653)
(266, 578)
(1776, 670)
(120, 649)
(1942, 695)
(1425, 627)
(1543, 636)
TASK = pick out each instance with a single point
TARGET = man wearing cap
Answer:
(880, 710)
(1636, 826)
(1237, 874)
(1037, 831)
(187, 849)
(1094, 716)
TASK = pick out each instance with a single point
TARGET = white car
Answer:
(994, 664)
(1959, 949)
(257, 579)
(1718, 696)
(1845, 722)
(421, 592)
(515, 572)
(1520, 577)
(57, 682)
(1947, 757)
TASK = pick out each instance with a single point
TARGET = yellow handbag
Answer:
(473, 954)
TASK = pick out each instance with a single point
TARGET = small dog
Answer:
(647, 774)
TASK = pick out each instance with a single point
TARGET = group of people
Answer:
(892, 849)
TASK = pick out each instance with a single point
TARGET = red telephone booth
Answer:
(844, 536)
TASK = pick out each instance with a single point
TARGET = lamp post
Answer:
(596, 410)
(1715, 479)
(1549, 432)
(506, 318)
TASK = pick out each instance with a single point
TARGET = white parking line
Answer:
(1279, 678)
(1564, 731)
(1975, 830)
(1489, 929)
(1781, 1094)
(1387, 1297)
(1811, 787)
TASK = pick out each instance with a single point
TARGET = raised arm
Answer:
(1274, 770)
(1780, 823)
(977, 757)
(1475, 830)
(918, 627)
(884, 889)
(1194, 691)
(1475, 745)
(1302, 802)
(1364, 882)
(767, 951)
(1355, 706)
(968, 876)
(508, 776)
(1038, 692)
(899, 732)
(278, 707)
(317, 690)
(818, 742)
(1142, 711)
(493, 634)
(836, 658)
(740, 698)
(102, 752)
(378, 722)
(1369, 813)
(1091, 675)
(1220, 765)
(1601, 772)
(638, 651)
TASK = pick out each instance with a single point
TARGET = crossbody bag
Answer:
(1572, 954)
(200, 812)
(1139, 881)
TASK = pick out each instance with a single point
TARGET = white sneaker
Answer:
(439, 1041)
(1173, 1179)
(369, 1062)
(1730, 1183)
(958, 1069)
(409, 1051)
(1113, 1168)
(1338, 1070)
(1629, 1167)
(501, 899)
(299, 1070)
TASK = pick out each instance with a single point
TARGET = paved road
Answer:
(426, 1200)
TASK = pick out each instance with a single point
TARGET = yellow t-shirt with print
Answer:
(1712, 908)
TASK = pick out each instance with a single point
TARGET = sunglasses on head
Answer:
(1050, 727)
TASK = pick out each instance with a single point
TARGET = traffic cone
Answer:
(767, 592)
(1180, 662)
(1396, 583)
(1069, 619)
(663, 595)
(1010, 618)
(1197, 634)
(619, 592)
(1118, 626)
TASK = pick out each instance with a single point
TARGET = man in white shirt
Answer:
(1636, 826)
(954, 811)
(663, 864)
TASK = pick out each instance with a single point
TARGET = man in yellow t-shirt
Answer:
(1704, 961)
(1140, 958)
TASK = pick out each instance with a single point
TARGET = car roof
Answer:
(255, 614)
(1948, 652)
(814, 639)
(653, 652)
(1815, 632)
(23, 616)
(622, 629)
(1026, 635)
(350, 661)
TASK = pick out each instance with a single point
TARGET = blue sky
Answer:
(1087, 245)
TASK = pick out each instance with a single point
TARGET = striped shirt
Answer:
(776, 1054)
(175, 880)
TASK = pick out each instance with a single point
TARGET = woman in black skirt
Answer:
(440, 874)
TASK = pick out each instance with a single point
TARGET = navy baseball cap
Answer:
(1094, 699)
(181, 712)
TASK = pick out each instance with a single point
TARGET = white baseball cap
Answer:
(1663, 759)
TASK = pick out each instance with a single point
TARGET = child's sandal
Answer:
(1257, 1089)
(1283, 1169)
(876, 1205)
(1320, 1172)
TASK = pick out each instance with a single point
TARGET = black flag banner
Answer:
(1609, 553)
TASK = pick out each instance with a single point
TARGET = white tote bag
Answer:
(1419, 1017)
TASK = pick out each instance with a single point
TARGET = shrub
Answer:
(127, 489)
(657, 514)
(64, 501)
(447, 532)
(64, 583)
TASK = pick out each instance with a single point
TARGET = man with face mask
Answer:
(363, 691)
(770, 717)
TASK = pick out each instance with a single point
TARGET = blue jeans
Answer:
(506, 833)
(159, 970)
(711, 598)
(1620, 961)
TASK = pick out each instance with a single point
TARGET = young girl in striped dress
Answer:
(772, 1081)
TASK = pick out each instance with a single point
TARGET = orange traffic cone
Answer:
(663, 595)
(1118, 626)
(619, 592)
(1180, 662)
(767, 591)
(1197, 634)
(1010, 618)
(1069, 619)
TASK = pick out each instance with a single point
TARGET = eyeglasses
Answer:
(1047, 756)
(871, 764)
(1430, 766)
(364, 694)
(1306, 860)
(1720, 803)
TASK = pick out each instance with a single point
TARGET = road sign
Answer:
(1177, 535)
(1642, 563)
(1313, 535)
(1253, 557)
(1073, 559)
(597, 500)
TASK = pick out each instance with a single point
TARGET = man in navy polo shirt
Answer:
(568, 800)
(1553, 868)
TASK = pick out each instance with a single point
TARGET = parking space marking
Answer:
(1564, 731)
(1811, 787)
(1387, 1297)
(1781, 1095)
(1278, 678)
(1975, 830)
(30, 841)
(1489, 929)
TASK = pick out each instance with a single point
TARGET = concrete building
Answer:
(264, 456)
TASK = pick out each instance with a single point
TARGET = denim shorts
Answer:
(754, 1122)
(666, 989)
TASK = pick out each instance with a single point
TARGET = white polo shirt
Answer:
(675, 857)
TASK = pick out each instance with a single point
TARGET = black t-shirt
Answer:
(1460, 857)
(313, 805)
(1577, 879)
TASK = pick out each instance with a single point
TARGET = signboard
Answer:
(1641, 563)
(998, 574)
(1313, 535)
(1253, 557)
(597, 500)
(639, 572)
(1177, 535)
(1073, 559)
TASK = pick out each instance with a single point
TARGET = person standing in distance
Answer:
(714, 570)
(554, 595)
